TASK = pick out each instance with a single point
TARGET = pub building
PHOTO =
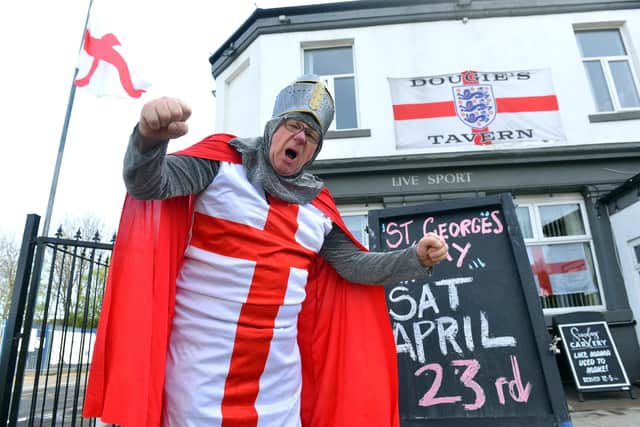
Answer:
(454, 99)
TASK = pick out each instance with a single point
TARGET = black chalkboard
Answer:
(593, 356)
(472, 346)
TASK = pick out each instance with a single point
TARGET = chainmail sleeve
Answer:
(371, 267)
(154, 175)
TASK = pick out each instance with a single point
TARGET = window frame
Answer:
(605, 62)
(360, 210)
(533, 202)
(329, 79)
(635, 258)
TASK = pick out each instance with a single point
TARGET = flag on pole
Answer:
(474, 108)
(104, 63)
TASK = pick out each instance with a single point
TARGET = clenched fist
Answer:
(432, 249)
(163, 118)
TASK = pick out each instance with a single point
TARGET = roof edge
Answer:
(627, 186)
(351, 14)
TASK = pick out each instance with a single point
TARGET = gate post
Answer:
(13, 333)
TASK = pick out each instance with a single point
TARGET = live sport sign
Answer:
(472, 108)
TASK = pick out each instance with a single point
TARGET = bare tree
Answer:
(85, 227)
(9, 252)
(69, 294)
(65, 273)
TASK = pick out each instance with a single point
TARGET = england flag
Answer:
(561, 269)
(472, 108)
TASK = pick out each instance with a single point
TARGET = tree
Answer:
(86, 226)
(9, 253)
(66, 272)
(72, 291)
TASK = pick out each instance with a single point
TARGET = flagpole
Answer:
(63, 136)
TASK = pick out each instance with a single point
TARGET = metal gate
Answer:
(49, 334)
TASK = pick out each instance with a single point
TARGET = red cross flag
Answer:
(561, 269)
(474, 108)
(104, 63)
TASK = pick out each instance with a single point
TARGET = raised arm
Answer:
(355, 265)
(148, 172)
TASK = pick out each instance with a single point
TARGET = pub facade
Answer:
(556, 126)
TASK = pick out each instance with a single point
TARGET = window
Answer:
(609, 69)
(560, 251)
(636, 255)
(335, 66)
(357, 225)
(356, 218)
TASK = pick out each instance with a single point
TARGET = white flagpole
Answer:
(63, 136)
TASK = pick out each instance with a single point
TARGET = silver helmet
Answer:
(307, 94)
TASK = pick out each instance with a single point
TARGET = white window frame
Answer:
(329, 79)
(359, 210)
(635, 259)
(533, 202)
(605, 60)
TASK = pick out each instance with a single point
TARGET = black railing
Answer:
(50, 332)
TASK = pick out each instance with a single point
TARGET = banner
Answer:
(104, 62)
(474, 108)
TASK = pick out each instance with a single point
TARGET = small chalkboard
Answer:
(593, 356)
(473, 349)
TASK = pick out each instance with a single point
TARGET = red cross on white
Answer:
(275, 251)
(526, 108)
(545, 269)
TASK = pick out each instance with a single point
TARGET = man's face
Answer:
(293, 144)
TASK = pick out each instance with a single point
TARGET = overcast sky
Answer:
(39, 41)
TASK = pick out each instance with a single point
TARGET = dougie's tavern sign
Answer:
(471, 341)
(475, 108)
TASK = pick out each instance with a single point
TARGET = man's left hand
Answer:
(432, 249)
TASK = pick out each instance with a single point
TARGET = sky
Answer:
(40, 42)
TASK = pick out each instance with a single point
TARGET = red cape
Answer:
(349, 371)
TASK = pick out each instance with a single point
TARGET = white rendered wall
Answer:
(425, 49)
(625, 229)
(238, 94)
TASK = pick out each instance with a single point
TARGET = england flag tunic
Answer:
(233, 355)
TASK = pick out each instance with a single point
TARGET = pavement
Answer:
(604, 409)
(597, 409)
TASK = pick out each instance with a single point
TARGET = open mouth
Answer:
(292, 154)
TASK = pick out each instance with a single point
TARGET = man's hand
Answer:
(432, 249)
(163, 118)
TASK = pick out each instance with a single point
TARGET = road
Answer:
(63, 396)
(595, 410)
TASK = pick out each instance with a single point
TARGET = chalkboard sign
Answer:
(593, 356)
(472, 346)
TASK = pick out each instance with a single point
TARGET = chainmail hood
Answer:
(300, 188)
(306, 99)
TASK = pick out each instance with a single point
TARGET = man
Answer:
(258, 312)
